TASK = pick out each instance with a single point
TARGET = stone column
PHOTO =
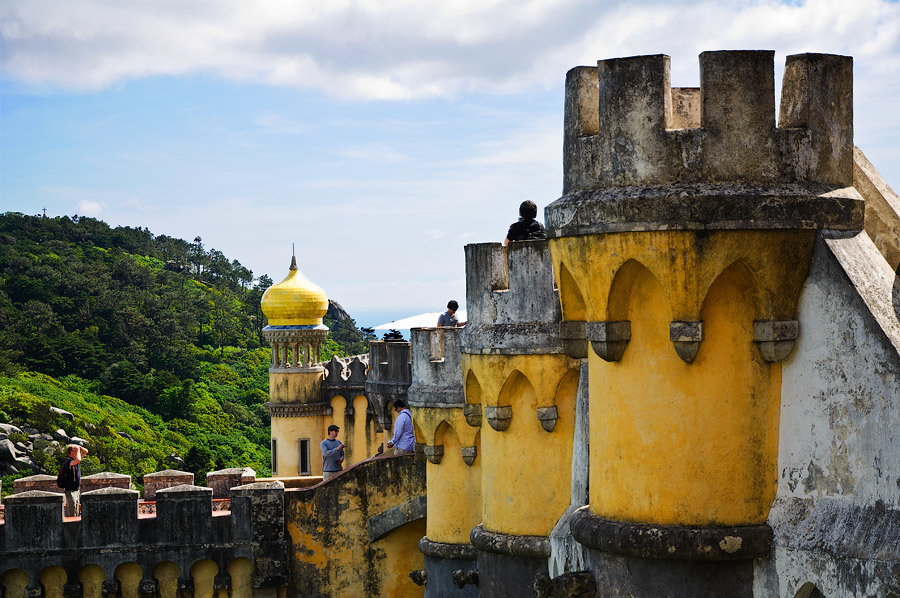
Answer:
(453, 468)
(520, 390)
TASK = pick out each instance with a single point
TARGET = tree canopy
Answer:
(91, 314)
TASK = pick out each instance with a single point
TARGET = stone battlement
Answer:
(512, 305)
(390, 374)
(436, 372)
(110, 532)
(635, 148)
(345, 376)
(389, 363)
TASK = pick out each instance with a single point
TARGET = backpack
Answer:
(62, 478)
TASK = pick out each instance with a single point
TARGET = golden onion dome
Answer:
(295, 301)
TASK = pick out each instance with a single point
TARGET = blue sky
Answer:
(379, 137)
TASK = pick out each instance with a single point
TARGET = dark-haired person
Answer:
(448, 318)
(332, 453)
(527, 228)
(71, 478)
(404, 440)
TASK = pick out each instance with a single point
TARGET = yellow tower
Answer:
(679, 248)
(294, 308)
(520, 393)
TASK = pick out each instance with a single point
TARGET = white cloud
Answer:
(400, 49)
(89, 208)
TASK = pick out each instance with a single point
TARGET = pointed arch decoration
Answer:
(472, 409)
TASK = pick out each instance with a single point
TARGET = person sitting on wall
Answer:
(527, 228)
(69, 478)
(332, 453)
(448, 318)
(404, 440)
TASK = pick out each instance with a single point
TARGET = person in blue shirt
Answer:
(332, 453)
(404, 440)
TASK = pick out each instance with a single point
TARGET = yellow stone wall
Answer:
(454, 487)
(678, 443)
(524, 469)
(358, 431)
(287, 431)
(295, 387)
(330, 552)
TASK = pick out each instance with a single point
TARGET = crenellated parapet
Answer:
(345, 376)
(640, 155)
(110, 532)
(437, 396)
(436, 374)
(452, 447)
(511, 300)
(390, 374)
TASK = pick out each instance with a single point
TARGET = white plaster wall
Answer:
(840, 411)
(839, 444)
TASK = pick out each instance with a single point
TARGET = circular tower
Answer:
(294, 308)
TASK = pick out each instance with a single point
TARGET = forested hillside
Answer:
(154, 344)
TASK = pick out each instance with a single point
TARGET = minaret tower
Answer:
(294, 308)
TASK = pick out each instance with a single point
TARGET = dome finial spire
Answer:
(293, 258)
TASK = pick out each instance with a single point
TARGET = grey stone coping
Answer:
(111, 493)
(705, 206)
(34, 496)
(443, 550)
(651, 541)
(872, 278)
(106, 475)
(168, 473)
(231, 471)
(384, 523)
(185, 491)
(509, 544)
(41, 477)
(257, 487)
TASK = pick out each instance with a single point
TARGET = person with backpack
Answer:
(527, 228)
(69, 478)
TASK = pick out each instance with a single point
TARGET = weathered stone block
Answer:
(105, 479)
(109, 517)
(154, 482)
(224, 480)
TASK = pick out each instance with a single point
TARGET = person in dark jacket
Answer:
(71, 476)
(527, 228)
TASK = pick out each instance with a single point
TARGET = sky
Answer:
(378, 138)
